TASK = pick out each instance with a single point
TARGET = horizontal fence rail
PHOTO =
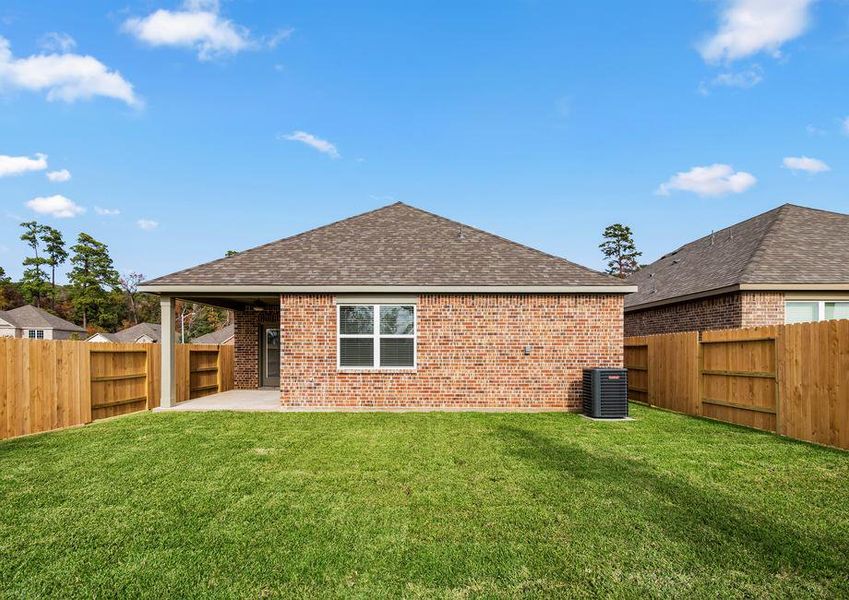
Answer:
(790, 379)
(51, 384)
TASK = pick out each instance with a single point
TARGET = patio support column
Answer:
(168, 394)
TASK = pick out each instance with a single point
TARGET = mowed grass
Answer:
(420, 505)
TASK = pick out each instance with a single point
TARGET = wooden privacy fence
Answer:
(48, 384)
(790, 379)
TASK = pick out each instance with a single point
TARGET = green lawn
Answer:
(436, 504)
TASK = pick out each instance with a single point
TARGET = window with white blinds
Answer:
(374, 336)
(815, 310)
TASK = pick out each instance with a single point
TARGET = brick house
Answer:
(786, 265)
(401, 308)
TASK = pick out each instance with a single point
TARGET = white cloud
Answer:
(147, 224)
(712, 180)
(813, 130)
(59, 176)
(746, 78)
(197, 26)
(16, 165)
(748, 27)
(57, 42)
(107, 212)
(803, 163)
(66, 77)
(56, 206)
(280, 36)
(313, 142)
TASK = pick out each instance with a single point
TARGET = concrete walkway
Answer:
(242, 400)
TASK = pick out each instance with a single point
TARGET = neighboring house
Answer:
(787, 265)
(143, 333)
(401, 308)
(37, 324)
(221, 336)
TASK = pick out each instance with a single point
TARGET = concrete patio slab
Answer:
(240, 400)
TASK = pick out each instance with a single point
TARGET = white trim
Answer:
(743, 287)
(381, 299)
(781, 287)
(376, 337)
(398, 289)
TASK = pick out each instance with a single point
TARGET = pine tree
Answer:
(90, 278)
(619, 250)
(54, 248)
(34, 281)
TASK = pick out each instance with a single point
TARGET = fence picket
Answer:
(791, 379)
(50, 384)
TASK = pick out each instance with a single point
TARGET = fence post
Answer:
(779, 375)
(700, 366)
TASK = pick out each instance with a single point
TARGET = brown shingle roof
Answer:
(789, 245)
(30, 317)
(397, 245)
(219, 336)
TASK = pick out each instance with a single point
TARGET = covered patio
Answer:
(257, 342)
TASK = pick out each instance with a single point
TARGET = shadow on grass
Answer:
(697, 517)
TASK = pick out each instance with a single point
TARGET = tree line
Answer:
(95, 296)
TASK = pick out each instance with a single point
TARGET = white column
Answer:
(168, 397)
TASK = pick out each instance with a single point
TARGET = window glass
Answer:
(356, 320)
(801, 312)
(837, 310)
(396, 320)
(356, 352)
(396, 352)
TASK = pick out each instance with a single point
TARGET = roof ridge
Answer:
(758, 252)
(509, 241)
(718, 231)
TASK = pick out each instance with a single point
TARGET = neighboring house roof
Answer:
(30, 317)
(789, 247)
(131, 334)
(394, 246)
(218, 336)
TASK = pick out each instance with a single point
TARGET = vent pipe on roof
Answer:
(711, 238)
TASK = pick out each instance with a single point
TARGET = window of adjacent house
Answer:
(36, 334)
(802, 312)
(375, 336)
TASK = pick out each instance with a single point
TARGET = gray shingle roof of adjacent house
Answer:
(397, 245)
(218, 336)
(131, 334)
(30, 317)
(789, 245)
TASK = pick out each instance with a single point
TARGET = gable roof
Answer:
(131, 334)
(219, 336)
(30, 317)
(394, 246)
(790, 246)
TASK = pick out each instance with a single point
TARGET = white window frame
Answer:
(820, 308)
(35, 334)
(376, 336)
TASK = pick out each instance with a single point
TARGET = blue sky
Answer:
(201, 127)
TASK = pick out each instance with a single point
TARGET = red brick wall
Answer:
(246, 353)
(727, 311)
(762, 308)
(470, 353)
